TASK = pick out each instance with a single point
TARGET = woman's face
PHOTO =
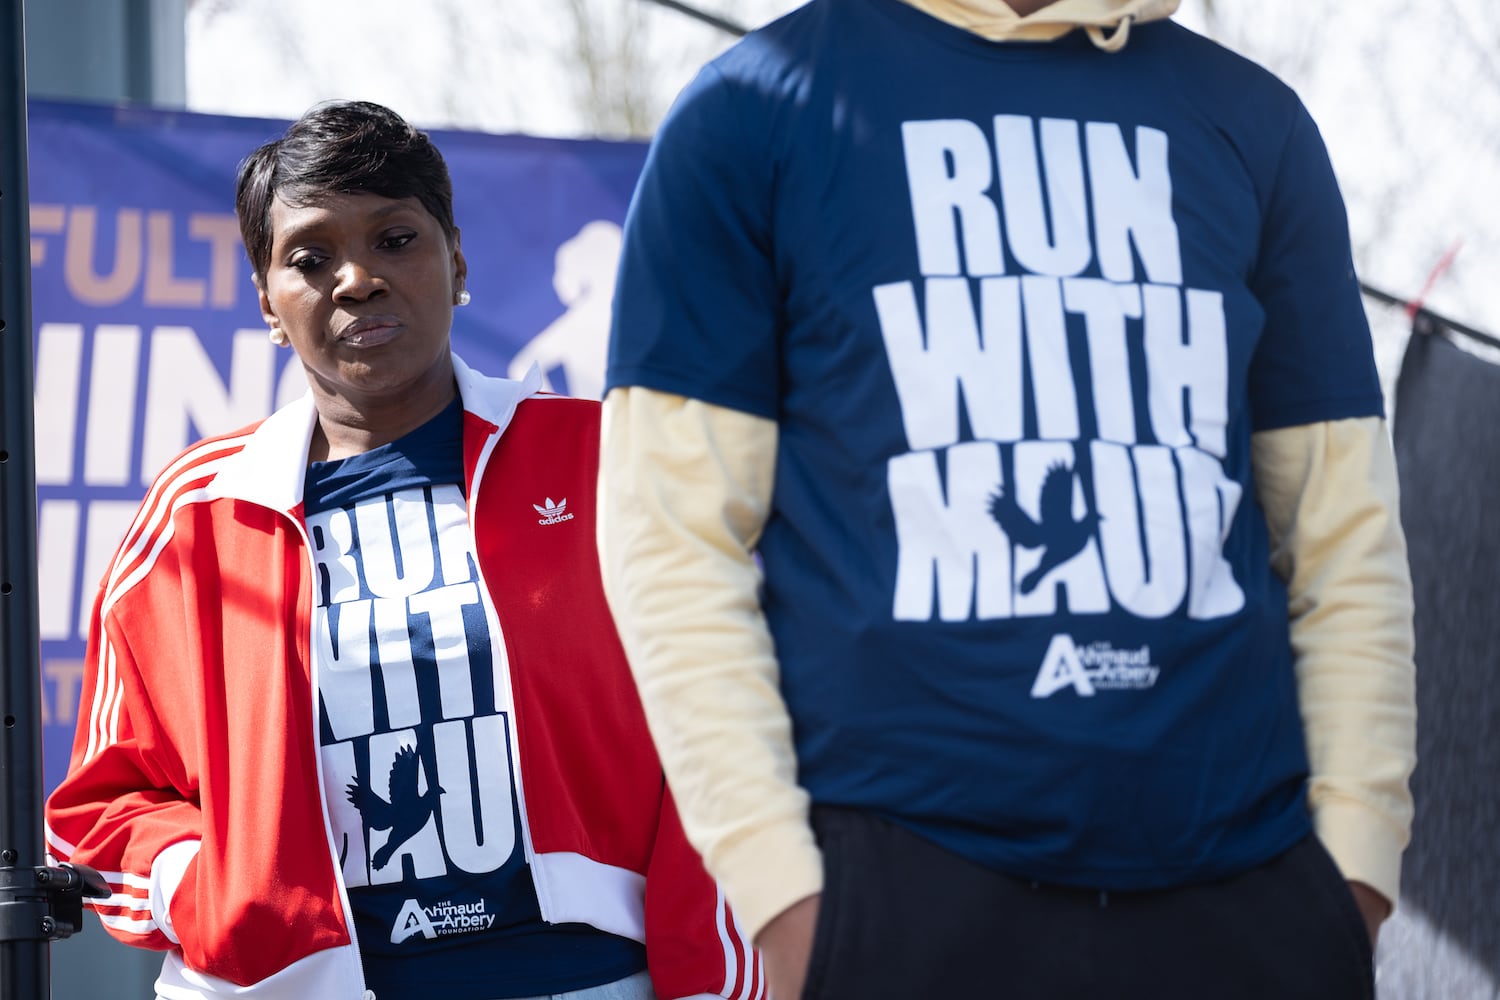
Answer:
(363, 288)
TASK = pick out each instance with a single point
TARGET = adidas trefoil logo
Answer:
(552, 513)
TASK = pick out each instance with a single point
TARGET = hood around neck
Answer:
(1107, 22)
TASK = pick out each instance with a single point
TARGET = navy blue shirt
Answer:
(1016, 308)
(417, 750)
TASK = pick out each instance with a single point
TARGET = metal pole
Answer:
(25, 923)
(1424, 320)
(723, 24)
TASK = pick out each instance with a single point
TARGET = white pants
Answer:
(636, 987)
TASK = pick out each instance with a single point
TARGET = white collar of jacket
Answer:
(996, 21)
(262, 472)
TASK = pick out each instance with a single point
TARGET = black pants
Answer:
(904, 919)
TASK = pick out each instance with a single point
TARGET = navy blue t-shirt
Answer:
(417, 738)
(1016, 309)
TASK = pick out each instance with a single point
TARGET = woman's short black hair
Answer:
(339, 147)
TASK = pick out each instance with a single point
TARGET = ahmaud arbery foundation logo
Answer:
(440, 918)
(1096, 667)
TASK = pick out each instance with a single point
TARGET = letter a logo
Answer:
(411, 920)
(1061, 668)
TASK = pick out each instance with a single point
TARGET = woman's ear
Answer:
(460, 265)
(266, 313)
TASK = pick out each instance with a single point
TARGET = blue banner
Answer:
(149, 336)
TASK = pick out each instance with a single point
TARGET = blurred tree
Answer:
(611, 52)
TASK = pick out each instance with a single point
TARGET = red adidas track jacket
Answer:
(194, 785)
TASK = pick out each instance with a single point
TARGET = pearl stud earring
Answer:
(463, 297)
(278, 336)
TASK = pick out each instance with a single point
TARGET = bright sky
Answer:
(1410, 108)
(505, 66)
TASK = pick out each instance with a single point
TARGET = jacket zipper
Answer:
(502, 651)
(338, 871)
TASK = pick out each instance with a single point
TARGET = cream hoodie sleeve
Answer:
(684, 490)
(1329, 492)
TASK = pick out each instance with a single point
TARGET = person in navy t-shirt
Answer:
(999, 510)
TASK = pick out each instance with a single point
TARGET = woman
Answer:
(356, 719)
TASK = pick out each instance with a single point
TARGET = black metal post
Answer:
(1424, 320)
(722, 23)
(25, 908)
